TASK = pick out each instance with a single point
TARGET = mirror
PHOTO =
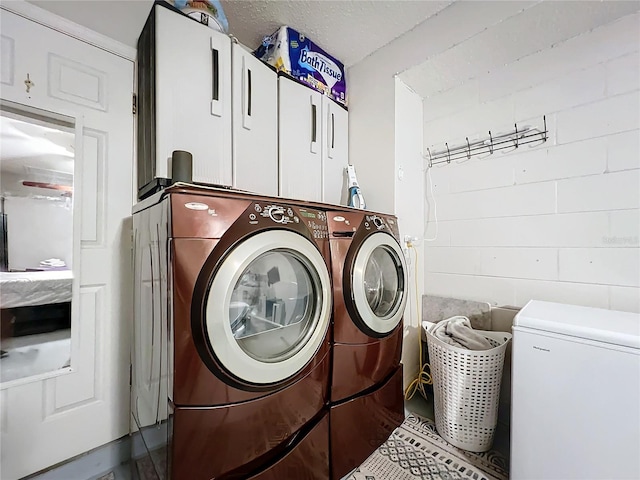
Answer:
(36, 242)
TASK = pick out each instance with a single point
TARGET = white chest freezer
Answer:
(575, 411)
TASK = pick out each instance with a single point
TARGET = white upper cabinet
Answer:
(184, 86)
(193, 96)
(255, 123)
(313, 144)
(299, 135)
(335, 155)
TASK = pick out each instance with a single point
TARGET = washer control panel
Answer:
(315, 220)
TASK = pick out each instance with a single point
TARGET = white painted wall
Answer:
(371, 87)
(385, 123)
(408, 188)
(557, 222)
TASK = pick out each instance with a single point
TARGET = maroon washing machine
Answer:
(231, 348)
(369, 294)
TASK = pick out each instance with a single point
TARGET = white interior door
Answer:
(299, 141)
(335, 153)
(45, 420)
(255, 123)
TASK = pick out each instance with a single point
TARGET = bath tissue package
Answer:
(290, 51)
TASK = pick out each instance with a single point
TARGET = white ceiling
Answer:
(347, 29)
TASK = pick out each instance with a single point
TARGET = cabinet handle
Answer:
(249, 81)
(216, 103)
(314, 127)
(333, 131)
(331, 135)
(246, 94)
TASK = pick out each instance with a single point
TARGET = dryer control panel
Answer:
(379, 222)
(344, 224)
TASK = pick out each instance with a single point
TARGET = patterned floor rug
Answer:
(416, 451)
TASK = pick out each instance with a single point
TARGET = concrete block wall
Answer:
(558, 221)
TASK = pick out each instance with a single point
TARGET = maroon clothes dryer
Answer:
(231, 353)
(369, 293)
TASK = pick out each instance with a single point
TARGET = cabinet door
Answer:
(193, 96)
(335, 152)
(300, 146)
(255, 123)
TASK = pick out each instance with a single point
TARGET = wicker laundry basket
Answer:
(466, 385)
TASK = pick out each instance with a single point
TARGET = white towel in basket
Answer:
(457, 331)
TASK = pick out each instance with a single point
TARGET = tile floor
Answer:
(424, 408)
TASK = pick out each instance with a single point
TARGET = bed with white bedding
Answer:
(24, 289)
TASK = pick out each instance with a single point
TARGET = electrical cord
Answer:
(424, 376)
(435, 208)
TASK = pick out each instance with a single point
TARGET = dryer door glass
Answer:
(378, 287)
(382, 278)
(273, 307)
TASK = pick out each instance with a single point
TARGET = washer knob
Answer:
(276, 214)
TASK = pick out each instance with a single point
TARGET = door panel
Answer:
(196, 115)
(255, 124)
(7, 60)
(94, 169)
(77, 83)
(45, 421)
(299, 144)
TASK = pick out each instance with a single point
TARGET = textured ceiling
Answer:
(347, 29)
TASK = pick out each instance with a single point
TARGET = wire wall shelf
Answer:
(512, 139)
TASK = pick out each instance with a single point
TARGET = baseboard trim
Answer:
(89, 464)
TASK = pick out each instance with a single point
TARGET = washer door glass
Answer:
(273, 305)
(269, 306)
(382, 282)
(378, 283)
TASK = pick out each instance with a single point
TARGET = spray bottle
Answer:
(356, 199)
